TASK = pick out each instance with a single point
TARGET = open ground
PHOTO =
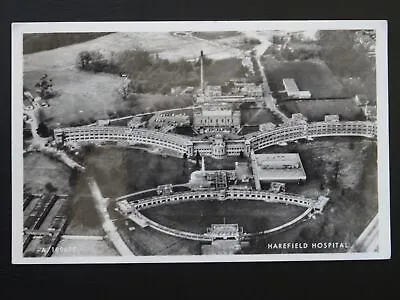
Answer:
(121, 171)
(196, 216)
(315, 110)
(40, 170)
(84, 96)
(311, 75)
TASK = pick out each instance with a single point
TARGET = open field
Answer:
(313, 76)
(120, 171)
(196, 216)
(167, 45)
(218, 72)
(147, 241)
(315, 110)
(40, 170)
(84, 218)
(35, 42)
(82, 96)
(353, 200)
(87, 96)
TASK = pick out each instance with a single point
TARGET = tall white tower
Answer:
(203, 164)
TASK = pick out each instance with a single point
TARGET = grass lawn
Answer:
(196, 216)
(227, 163)
(220, 71)
(256, 116)
(35, 42)
(82, 96)
(86, 97)
(84, 217)
(314, 76)
(120, 171)
(315, 110)
(39, 170)
(147, 241)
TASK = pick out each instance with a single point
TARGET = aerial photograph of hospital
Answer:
(199, 143)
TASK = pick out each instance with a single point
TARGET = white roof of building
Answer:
(216, 109)
(279, 166)
(290, 85)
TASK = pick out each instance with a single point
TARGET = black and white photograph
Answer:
(200, 141)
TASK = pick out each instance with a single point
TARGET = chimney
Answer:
(201, 72)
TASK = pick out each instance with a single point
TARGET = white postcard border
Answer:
(383, 129)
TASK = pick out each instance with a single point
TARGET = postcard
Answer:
(157, 142)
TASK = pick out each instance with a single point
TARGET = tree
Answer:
(198, 157)
(73, 178)
(50, 187)
(45, 86)
(337, 165)
(43, 130)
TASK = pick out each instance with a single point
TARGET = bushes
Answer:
(94, 61)
(45, 87)
(43, 130)
(147, 72)
(252, 41)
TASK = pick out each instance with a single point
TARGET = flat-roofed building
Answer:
(160, 120)
(331, 118)
(251, 90)
(292, 89)
(267, 127)
(136, 122)
(213, 91)
(224, 231)
(297, 118)
(278, 167)
(214, 117)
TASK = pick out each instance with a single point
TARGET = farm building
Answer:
(293, 91)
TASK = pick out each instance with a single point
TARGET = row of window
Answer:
(276, 138)
(235, 195)
(210, 121)
(76, 137)
(279, 198)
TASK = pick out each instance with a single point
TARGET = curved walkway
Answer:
(136, 205)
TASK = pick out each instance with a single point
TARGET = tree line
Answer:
(147, 71)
